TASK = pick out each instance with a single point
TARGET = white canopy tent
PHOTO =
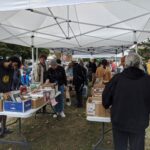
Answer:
(91, 26)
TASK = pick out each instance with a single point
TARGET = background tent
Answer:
(102, 26)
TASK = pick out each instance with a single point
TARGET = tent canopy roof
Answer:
(95, 26)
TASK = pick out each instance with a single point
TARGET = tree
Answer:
(7, 50)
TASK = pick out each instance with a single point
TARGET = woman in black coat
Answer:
(128, 96)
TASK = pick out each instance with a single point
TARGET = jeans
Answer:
(60, 99)
(123, 139)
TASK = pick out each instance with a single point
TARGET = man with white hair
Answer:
(128, 96)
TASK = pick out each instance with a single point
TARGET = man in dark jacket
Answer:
(79, 80)
(56, 74)
(6, 80)
(128, 96)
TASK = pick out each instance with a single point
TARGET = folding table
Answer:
(103, 120)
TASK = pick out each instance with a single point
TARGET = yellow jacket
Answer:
(103, 74)
(148, 68)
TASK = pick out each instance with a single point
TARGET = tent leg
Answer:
(37, 51)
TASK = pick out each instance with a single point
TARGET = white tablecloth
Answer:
(98, 119)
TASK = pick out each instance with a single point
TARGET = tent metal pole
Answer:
(37, 51)
(135, 41)
(57, 22)
(77, 18)
(49, 34)
(60, 40)
(122, 51)
(15, 36)
(143, 28)
(30, 30)
(111, 38)
(32, 47)
(74, 36)
(117, 28)
(11, 26)
(68, 19)
(101, 38)
(57, 17)
(101, 26)
(116, 56)
(49, 26)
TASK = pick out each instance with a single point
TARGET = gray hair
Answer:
(133, 60)
(53, 62)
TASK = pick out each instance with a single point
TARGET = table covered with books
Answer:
(95, 112)
(25, 103)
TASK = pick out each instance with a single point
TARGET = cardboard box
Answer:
(97, 98)
(99, 85)
(17, 106)
(94, 107)
(97, 91)
(37, 102)
(1, 105)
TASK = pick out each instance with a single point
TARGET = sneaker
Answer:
(68, 103)
(62, 114)
(55, 116)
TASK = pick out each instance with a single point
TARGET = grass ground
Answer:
(70, 133)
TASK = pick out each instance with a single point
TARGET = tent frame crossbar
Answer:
(57, 22)
(28, 31)
(111, 38)
(101, 26)
(49, 26)
(14, 36)
(74, 36)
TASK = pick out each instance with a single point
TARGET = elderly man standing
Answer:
(128, 96)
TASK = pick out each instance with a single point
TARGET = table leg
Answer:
(25, 145)
(2, 126)
(101, 138)
(19, 125)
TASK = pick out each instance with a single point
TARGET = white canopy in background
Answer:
(92, 26)
(100, 55)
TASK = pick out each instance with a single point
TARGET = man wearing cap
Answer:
(56, 74)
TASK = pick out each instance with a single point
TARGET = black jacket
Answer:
(79, 75)
(129, 95)
(57, 75)
(6, 78)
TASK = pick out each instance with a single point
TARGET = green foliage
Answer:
(43, 51)
(7, 50)
(144, 50)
